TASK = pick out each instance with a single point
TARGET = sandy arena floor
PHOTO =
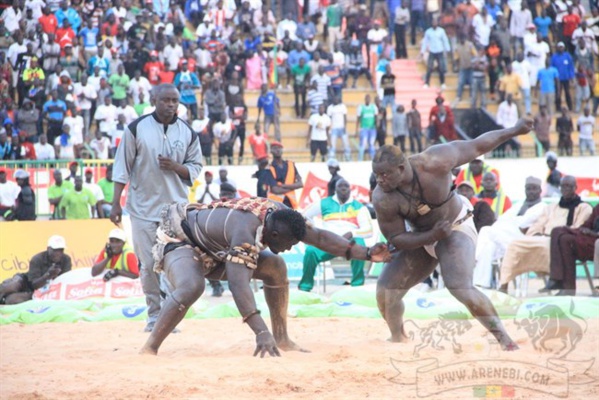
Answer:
(212, 359)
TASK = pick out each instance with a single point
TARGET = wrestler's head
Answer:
(388, 166)
(284, 229)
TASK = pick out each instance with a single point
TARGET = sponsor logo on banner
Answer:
(122, 290)
(50, 292)
(84, 290)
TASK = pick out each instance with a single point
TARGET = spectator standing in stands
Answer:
(54, 112)
(464, 52)
(270, 104)
(519, 21)
(523, 69)
(176, 168)
(387, 83)
(547, 83)
(366, 127)
(318, 133)
(480, 66)
(564, 128)
(43, 267)
(43, 150)
(116, 257)
(301, 76)
(214, 98)
(586, 127)
(202, 128)
(417, 18)
(570, 22)
(224, 135)
(356, 65)
(415, 128)
(563, 62)
(187, 82)
(541, 127)
(24, 208)
(402, 19)
(400, 128)
(338, 114)
(436, 43)
(76, 203)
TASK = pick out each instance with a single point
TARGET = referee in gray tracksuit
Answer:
(160, 157)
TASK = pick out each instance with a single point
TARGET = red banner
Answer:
(316, 189)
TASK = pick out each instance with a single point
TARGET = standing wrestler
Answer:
(237, 240)
(160, 157)
(417, 190)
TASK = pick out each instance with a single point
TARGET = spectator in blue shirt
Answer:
(54, 111)
(547, 82)
(493, 8)
(295, 55)
(269, 102)
(65, 12)
(436, 42)
(89, 35)
(99, 61)
(187, 82)
(563, 62)
(305, 29)
(543, 23)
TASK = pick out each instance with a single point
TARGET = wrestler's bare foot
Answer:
(401, 338)
(148, 350)
(509, 345)
(290, 345)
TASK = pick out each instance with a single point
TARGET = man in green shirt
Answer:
(334, 17)
(141, 106)
(76, 203)
(56, 191)
(301, 75)
(120, 84)
(366, 124)
(107, 186)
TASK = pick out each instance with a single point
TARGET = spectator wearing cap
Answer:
(9, 190)
(563, 62)
(493, 240)
(24, 208)
(117, 258)
(283, 178)
(43, 267)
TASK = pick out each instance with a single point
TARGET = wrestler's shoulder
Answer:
(385, 201)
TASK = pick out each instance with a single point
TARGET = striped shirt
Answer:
(323, 82)
(314, 99)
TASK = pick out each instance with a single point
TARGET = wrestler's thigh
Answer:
(183, 269)
(456, 257)
(406, 269)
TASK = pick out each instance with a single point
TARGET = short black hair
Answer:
(389, 153)
(294, 220)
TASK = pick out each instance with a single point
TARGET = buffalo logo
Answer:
(550, 324)
(446, 329)
(178, 145)
(38, 310)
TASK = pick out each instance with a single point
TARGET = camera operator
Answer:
(119, 259)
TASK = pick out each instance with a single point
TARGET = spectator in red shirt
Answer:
(27, 149)
(191, 61)
(153, 68)
(166, 75)
(570, 23)
(110, 27)
(119, 259)
(48, 21)
(258, 144)
(65, 34)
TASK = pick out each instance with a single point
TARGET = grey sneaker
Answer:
(150, 326)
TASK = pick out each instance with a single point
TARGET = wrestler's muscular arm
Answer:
(393, 226)
(338, 245)
(453, 154)
(239, 277)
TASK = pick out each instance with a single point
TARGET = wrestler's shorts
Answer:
(466, 226)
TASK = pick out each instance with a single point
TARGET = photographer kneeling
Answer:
(119, 259)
